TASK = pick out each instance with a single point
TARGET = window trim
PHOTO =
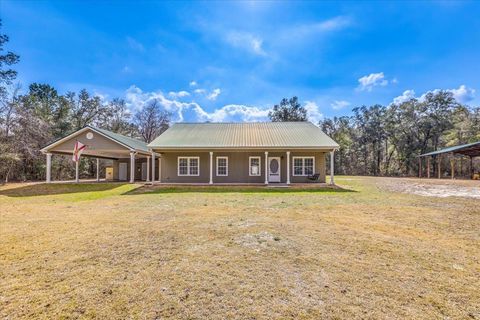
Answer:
(250, 166)
(303, 166)
(216, 166)
(188, 166)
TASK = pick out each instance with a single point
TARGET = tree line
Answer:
(386, 140)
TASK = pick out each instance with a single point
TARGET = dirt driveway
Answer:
(433, 188)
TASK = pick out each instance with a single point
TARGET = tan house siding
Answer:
(238, 166)
(138, 168)
(98, 142)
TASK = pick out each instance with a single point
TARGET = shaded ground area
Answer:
(130, 252)
(432, 187)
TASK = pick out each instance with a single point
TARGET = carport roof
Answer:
(470, 149)
(130, 143)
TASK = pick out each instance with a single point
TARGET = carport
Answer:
(131, 159)
(471, 150)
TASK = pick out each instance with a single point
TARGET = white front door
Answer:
(122, 171)
(273, 169)
(144, 171)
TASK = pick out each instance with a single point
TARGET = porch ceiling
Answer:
(104, 154)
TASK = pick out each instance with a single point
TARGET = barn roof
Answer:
(470, 149)
(244, 135)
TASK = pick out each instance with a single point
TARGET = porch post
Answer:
(153, 167)
(49, 168)
(332, 172)
(428, 167)
(266, 167)
(160, 168)
(132, 167)
(148, 168)
(77, 180)
(211, 168)
(288, 167)
(98, 169)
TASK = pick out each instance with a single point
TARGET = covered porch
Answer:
(244, 167)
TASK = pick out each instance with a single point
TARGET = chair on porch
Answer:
(314, 177)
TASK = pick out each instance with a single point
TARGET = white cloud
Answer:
(199, 91)
(302, 31)
(305, 31)
(313, 112)
(214, 94)
(192, 111)
(179, 94)
(372, 80)
(235, 112)
(332, 24)
(135, 45)
(126, 69)
(246, 41)
(339, 104)
(193, 83)
(463, 93)
(406, 95)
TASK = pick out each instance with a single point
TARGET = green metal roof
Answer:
(244, 135)
(471, 149)
(130, 142)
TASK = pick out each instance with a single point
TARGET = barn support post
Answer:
(472, 172)
(439, 167)
(452, 167)
(428, 167)
(419, 167)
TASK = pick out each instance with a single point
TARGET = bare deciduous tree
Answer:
(151, 121)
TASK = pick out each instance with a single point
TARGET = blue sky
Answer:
(231, 61)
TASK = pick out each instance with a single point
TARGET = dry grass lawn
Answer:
(116, 251)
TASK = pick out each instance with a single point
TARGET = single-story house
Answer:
(211, 153)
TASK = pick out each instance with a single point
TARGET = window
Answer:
(222, 166)
(188, 166)
(254, 166)
(303, 166)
